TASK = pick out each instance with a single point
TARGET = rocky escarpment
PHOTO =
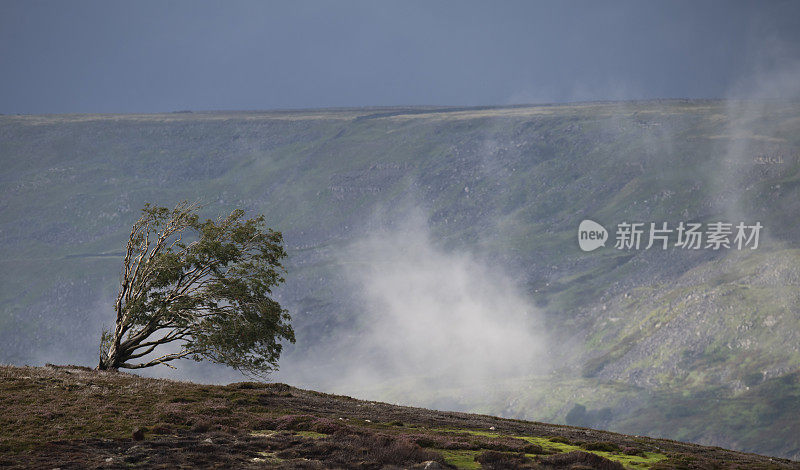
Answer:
(633, 330)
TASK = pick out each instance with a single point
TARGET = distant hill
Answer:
(695, 345)
(73, 417)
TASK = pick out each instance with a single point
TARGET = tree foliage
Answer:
(199, 289)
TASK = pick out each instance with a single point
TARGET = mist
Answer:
(431, 319)
(756, 109)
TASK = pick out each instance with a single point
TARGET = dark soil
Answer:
(71, 417)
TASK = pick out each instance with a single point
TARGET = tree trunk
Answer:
(111, 360)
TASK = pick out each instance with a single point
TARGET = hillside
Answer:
(695, 345)
(73, 417)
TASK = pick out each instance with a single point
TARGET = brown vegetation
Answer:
(70, 417)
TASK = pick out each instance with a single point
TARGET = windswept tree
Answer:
(198, 289)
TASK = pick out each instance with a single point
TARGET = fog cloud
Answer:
(432, 316)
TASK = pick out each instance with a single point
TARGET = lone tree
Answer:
(208, 298)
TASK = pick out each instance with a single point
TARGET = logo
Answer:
(684, 235)
(591, 235)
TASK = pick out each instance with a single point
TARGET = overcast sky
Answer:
(165, 55)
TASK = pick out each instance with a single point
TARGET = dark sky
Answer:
(164, 55)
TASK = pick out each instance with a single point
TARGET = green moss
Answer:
(463, 459)
(270, 458)
(311, 434)
(558, 446)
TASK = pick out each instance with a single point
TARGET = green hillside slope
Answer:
(697, 345)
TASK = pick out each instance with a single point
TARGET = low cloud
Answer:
(432, 318)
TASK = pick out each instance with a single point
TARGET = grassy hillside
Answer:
(698, 345)
(78, 418)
